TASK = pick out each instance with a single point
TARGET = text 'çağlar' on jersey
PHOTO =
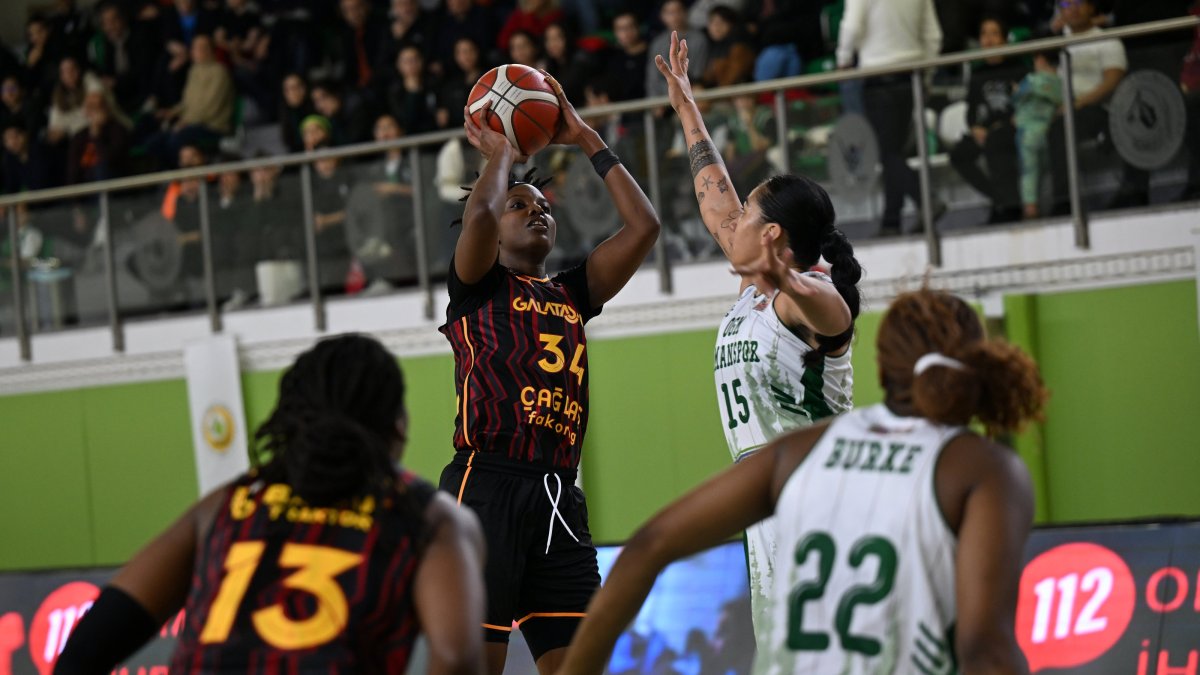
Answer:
(520, 362)
(864, 566)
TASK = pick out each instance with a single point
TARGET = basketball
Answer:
(526, 109)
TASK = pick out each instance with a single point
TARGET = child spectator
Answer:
(315, 132)
(1037, 101)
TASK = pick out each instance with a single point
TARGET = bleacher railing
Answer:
(413, 144)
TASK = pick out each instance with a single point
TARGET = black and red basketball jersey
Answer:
(284, 587)
(520, 364)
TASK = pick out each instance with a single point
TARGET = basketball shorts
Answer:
(541, 566)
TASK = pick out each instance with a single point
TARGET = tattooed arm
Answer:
(719, 205)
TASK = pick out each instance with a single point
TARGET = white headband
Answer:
(936, 359)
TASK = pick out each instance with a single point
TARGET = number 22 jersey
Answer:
(864, 566)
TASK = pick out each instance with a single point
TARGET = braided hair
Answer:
(803, 209)
(528, 178)
(331, 432)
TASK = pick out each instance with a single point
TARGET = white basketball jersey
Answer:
(865, 560)
(763, 390)
(763, 387)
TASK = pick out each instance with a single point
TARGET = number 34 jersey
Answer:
(764, 387)
(284, 587)
(864, 566)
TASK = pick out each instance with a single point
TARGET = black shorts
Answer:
(543, 588)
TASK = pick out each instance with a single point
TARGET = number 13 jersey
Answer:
(864, 566)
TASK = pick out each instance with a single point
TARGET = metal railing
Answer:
(412, 144)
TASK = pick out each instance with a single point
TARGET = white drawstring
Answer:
(937, 359)
(554, 499)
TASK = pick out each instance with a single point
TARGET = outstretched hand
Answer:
(486, 139)
(675, 70)
(572, 130)
(773, 271)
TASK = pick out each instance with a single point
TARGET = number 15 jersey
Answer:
(864, 566)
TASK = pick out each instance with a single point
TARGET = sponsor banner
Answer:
(1103, 600)
(218, 418)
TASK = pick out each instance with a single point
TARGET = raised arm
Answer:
(710, 514)
(449, 590)
(147, 591)
(611, 264)
(719, 205)
(479, 242)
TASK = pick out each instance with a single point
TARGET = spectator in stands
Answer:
(233, 239)
(701, 9)
(410, 25)
(730, 54)
(66, 115)
(315, 132)
(562, 59)
(379, 220)
(991, 134)
(456, 86)
(674, 18)
(100, 151)
(242, 40)
(70, 25)
(364, 39)
(181, 206)
(751, 134)
(348, 123)
(331, 189)
(26, 162)
(523, 48)
(1036, 102)
(1096, 70)
(627, 65)
(886, 32)
(532, 17)
(15, 108)
(779, 28)
(205, 112)
(41, 55)
(410, 100)
(182, 21)
(459, 19)
(124, 56)
(293, 108)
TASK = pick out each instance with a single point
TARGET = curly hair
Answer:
(528, 178)
(1000, 385)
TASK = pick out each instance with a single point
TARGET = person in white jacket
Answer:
(881, 33)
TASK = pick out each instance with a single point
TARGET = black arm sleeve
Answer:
(112, 630)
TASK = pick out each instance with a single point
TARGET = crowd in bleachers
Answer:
(120, 86)
(129, 86)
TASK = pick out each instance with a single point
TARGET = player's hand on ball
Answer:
(675, 70)
(486, 140)
(571, 127)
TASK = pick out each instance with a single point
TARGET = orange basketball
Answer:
(524, 106)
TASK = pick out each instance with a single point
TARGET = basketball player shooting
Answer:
(521, 375)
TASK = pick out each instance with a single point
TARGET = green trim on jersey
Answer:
(813, 380)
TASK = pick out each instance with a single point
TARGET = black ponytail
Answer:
(331, 432)
(803, 209)
(845, 271)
